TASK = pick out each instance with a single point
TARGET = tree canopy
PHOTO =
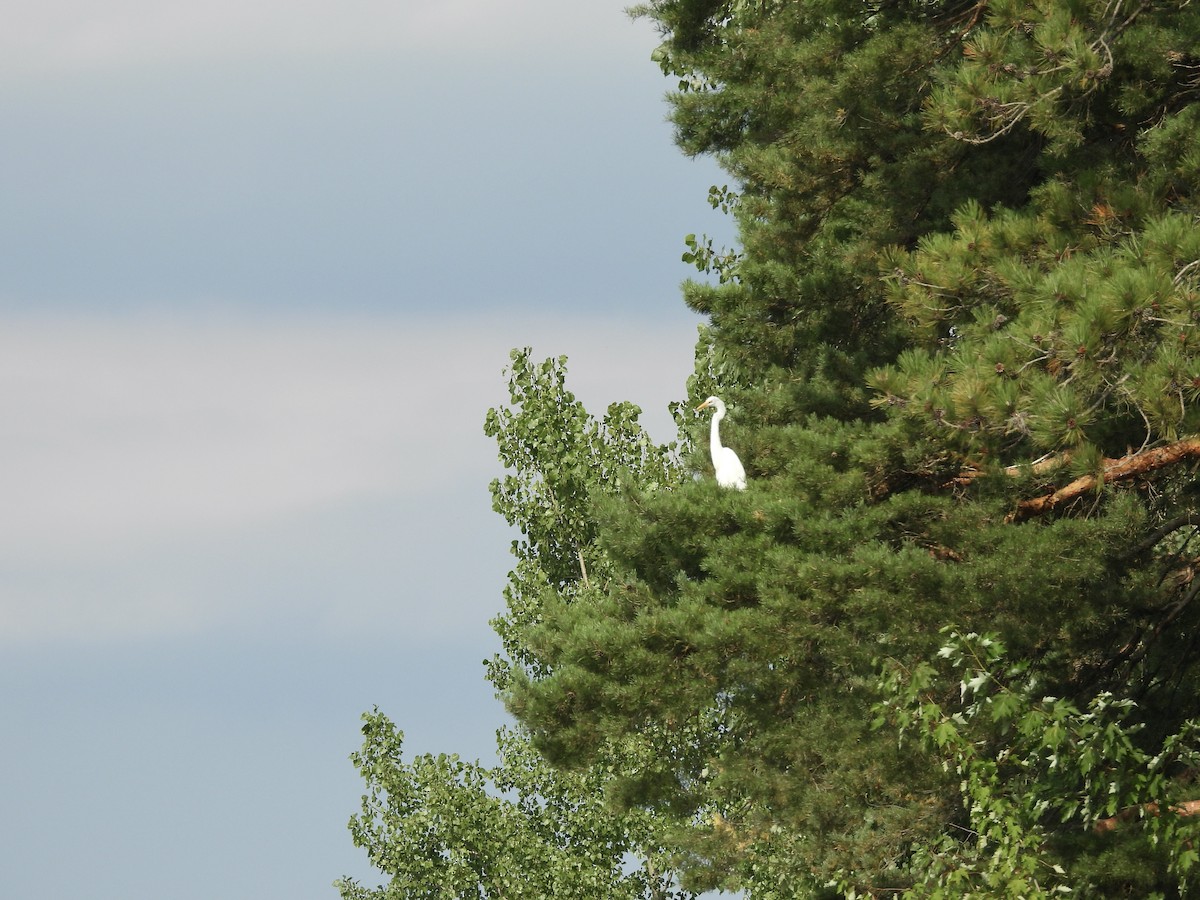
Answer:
(944, 644)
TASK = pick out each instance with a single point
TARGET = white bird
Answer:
(730, 473)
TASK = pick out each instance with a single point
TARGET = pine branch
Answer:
(1184, 810)
(1037, 467)
(1114, 470)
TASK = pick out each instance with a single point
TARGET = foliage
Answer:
(958, 343)
(444, 829)
(1044, 783)
(939, 205)
(560, 460)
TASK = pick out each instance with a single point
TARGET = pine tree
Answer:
(958, 343)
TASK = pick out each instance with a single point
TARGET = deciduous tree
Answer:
(441, 827)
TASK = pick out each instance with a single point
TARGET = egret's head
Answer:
(715, 402)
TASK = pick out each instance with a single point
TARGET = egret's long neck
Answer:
(714, 430)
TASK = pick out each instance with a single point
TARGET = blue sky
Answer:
(263, 266)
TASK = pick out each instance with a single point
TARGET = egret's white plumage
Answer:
(730, 473)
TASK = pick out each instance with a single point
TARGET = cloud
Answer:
(78, 36)
(180, 475)
(125, 430)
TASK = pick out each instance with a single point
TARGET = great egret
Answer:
(730, 473)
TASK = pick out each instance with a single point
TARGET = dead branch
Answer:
(1114, 470)
(1152, 539)
(582, 567)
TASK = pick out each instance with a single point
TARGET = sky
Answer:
(263, 264)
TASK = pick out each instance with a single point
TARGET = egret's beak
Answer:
(701, 406)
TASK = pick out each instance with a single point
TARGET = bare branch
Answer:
(1152, 539)
(582, 567)
(1183, 273)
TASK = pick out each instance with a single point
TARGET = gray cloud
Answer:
(184, 476)
(278, 252)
